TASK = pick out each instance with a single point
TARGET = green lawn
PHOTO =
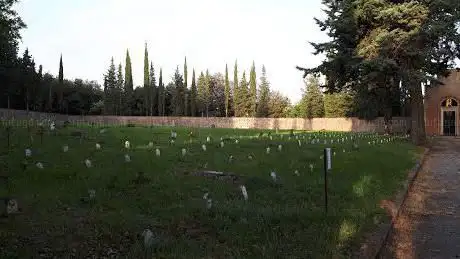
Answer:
(285, 219)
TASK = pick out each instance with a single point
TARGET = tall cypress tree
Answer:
(177, 102)
(264, 95)
(129, 88)
(244, 101)
(61, 86)
(253, 91)
(227, 91)
(153, 91)
(207, 92)
(110, 84)
(235, 86)
(186, 97)
(119, 91)
(201, 95)
(193, 95)
(161, 94)
(147, 91)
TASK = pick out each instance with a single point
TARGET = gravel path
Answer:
(429, 223)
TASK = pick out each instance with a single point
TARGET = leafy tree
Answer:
(147, 90)
(201, 98)
(227, 92)
(264, 95)
(110, 84)
(177, 101)
(312, 101)
(118, 95)
(11, 25)
(243, 101)
(278, 105)
(217, 95)
(338, 105)
(186, 97)
(193, 96)
(128, 89)
(154, 91)
(207, 92)
(235, 88)
(253, 91)
(161, 95)
(61, 86)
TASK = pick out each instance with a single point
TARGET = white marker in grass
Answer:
(208, 139)
(244, 192)
(102, 131)
(273, 175)
(148, 238)
(92, 194)
(222, 144)
(98, 146)
(296, 172)
(311, 167)
(184, 152)
(28, 152)
(150, 144)
(172, 141)
(267, 150)
(230, 159)
(203, 147)
(280, 147)
(249, 157)
(157, 152)
(88, 163)
(209, 204)
(127, 144)
(39, 165)
(52, 126)
(127, 158)
(65, 149)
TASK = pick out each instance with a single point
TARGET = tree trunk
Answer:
(417, 113)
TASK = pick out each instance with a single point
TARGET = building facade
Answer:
(441, 106)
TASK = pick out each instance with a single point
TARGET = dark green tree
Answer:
(278, 105)
(161, 95)
(264, 95)
(235, 87)
(243, 100)
(201, 97)
(110, 84)
(118, 95)
(177, 102)
(193, 96)
(312, 101)
(227, 92)
(253, 91)
(154, 91)
(186, 97)
(61, 86)
(10, 27)
(129, 87)
(147, 90)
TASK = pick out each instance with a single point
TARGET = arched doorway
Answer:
(449, 115)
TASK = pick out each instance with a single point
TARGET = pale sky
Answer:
(210, 33)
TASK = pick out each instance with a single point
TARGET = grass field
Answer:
(280, 219)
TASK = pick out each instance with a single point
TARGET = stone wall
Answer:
(400, 124)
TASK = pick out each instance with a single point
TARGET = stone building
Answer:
(441, 106)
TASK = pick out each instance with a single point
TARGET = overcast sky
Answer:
(210, 33)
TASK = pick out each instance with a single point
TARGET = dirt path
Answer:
(429, 223)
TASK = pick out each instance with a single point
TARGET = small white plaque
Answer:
(328, 157)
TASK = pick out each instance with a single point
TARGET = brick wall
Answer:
(400, 124)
